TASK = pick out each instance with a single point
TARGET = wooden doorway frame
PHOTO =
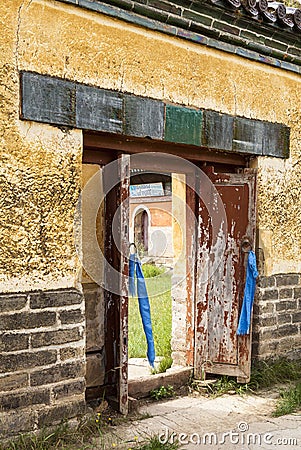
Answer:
(101, 148)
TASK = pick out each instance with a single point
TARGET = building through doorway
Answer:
(157, 227)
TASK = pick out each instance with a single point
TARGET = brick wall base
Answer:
(277, 317)
(42, 359)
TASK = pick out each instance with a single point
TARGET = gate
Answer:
(226, 221)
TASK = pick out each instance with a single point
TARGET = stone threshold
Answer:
(175, 376)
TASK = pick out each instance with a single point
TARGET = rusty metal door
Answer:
(116, 176)
(226, 217)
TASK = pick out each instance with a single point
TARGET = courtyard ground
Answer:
(229, 422)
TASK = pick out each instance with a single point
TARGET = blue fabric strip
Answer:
(144, 306)
(249, 293)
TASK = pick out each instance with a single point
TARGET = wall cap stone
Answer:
(265, 32)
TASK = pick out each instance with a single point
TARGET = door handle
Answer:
(245, 245)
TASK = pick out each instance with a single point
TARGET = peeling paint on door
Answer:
(220, 274)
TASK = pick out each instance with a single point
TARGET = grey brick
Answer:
(286, 305)
(10, 342)
(286, 345)
(267, 282)
(27, 320)
(12, 302)
(265, 308)
(165, 6)
(71, 316)
(267, 321)
(285, 293)
(198, 18)
(69, 389)
(284, 319)
(275, 140)
(255, 311)
(20, 421)
(14, 381)
(271, 294)
(55, 414)
(27, 360)
(49, 299)
(287, 280)
(226, 28)
(20, 400)
(217, 130)
(297, 293)
(55, 337)
(71, 353)
(247, 136)
(268, 347)
(267, 334)
(287, 330)
(297, 317)
(152, 13)
(58, 373)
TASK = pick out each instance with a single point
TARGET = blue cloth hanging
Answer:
(144, 306)
(249, 293)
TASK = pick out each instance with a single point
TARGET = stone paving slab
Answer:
(230, 422)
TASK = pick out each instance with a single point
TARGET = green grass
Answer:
(164, 364)
(63, 437)
(159, 290)
(162, 392)
(154, 443)
(90, 434)
(268, 373)
(264, 374)
(290, 401)
(151, 270)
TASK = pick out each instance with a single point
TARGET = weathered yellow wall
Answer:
(39, 180)
(66, 41)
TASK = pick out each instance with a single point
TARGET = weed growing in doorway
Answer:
(289, 402)
(264, 374)
(162, 392)
(164, 364)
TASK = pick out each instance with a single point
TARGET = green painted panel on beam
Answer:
(183, 125)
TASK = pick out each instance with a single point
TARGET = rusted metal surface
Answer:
(221, 275)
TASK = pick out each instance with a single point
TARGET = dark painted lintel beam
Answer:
(65, 103)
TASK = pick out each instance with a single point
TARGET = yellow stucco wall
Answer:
(40, 162)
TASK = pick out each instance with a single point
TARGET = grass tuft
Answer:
(164, 364)
(162, 392)
(271, 372)
(290, 401)
(264, 375)
(154, 443)
(63, 436)
(151, 270)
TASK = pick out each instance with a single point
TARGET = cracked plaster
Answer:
(41, 165)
